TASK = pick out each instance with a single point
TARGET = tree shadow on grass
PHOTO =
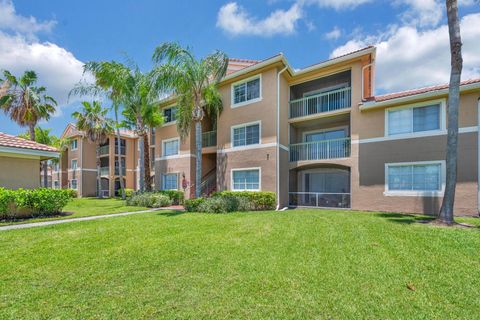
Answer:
(405, 218)
(170, 213)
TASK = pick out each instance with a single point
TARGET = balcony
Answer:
(104, 150)
(209, 139)
(124, 171)
(321, 103)
(320, 150)
(123, 150)
(104, 171)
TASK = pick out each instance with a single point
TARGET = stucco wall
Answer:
(19, 173)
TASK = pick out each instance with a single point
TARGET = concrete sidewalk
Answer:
(52, 222)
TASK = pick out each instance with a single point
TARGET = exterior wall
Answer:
(19, 172)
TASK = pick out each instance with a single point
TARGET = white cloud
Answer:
(335, 4)
(408, 57)
(234, 20)
(334, 34)
(422, 13)
(57, 68)
(10, 20)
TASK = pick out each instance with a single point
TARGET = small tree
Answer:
(93, 121)
(446, 211)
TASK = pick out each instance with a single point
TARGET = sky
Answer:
(56, 37)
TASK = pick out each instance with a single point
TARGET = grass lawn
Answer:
(84, 207)
(294, 264)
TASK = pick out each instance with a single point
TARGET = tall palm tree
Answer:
(93, 121)
(194, 82)
(446, 211)
(23, 102)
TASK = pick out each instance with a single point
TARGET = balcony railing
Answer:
(209, 139)
(104, 171)
(316, 199)
(320, 150)
(104, 150)
(124, 171)
(123, 150)
(323, 102)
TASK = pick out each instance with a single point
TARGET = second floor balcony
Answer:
(320, 150)
(104, 171)
(104, 150)
(117, 171)
(209, 139)
(321, 102)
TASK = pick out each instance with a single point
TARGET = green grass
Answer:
(85, 207)
(279, 265)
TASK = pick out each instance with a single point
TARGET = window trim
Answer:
(259, 122)
(416, 193)
(163, 180)
(246, 169)
(246, 102)
(443, 117)
(170, 140)
(71, 164)
(76, 145)
(165, 124)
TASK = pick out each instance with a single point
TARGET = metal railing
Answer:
(104, 150)
(104, 171)
(123, 150)
(124, 171)
(319, 150)
(209, 139)
(105, 193)
(321, 200)
(323, 102)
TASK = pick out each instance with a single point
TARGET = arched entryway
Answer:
(104, 187)
(117, 186)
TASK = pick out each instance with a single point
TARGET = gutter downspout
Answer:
(478, 156)
(363, 79)
(277, 158)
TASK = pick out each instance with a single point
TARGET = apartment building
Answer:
(319, 137)
(78, 163)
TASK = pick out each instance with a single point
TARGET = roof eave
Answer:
(43, 154)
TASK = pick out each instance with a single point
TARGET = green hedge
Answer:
(174, 195)
(229, 201)
(32, 203)
(193, 205)
(262, 200)
(149, 199)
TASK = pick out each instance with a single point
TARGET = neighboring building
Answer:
(20, 161)
(78, 164)
(49, 175)
(319, 137)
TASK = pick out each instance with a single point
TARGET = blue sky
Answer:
(55, 37)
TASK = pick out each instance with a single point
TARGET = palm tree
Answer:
(134, 90)
(446, 211)
(194, 82)
(43, 136)
(25, 103)
(93, 121)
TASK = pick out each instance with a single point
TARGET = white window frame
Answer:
(71, 164)
(247, 102)
(345, 127)
(76, 145)
(71, 184)
(415, 193)
(246, 169)
(259, 122)
(163, 180)
(171, 122)
(170, 140)
(443, 122)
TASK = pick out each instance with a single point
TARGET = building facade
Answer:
(319, 137)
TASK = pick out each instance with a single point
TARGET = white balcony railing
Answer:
(209, 139)
(317, 199)
(104, 150)
(323, 102)
(104, 171)
(320, 150)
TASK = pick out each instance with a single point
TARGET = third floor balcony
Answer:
(321, 102)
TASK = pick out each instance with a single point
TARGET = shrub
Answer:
(222, 204)
(33, 203)
(150, 200)
(129, 193)
(193, 205)
(72, 192)
(259, 200)
(174, 195)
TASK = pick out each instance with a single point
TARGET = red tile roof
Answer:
(10, 141)
(413, 92)
(235, 64)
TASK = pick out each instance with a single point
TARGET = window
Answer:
(74, 144)
(415, 177)
(56, 185)
(170, 147)
(246, 179)
(246, 135)
(74, 164)
(73, 184)
(414, 119)
(170, 181)
(170, 114)
(246, 91)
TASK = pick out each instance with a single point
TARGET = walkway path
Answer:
(52, 222)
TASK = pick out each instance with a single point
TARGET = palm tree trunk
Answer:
(446, 211)
(146, 158)
(31, 130)
(142, 163)
(45, 174)
(119, 150)
(99, 180)
(198, 160)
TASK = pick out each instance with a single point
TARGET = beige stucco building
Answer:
(20, 161)
(319, 137)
